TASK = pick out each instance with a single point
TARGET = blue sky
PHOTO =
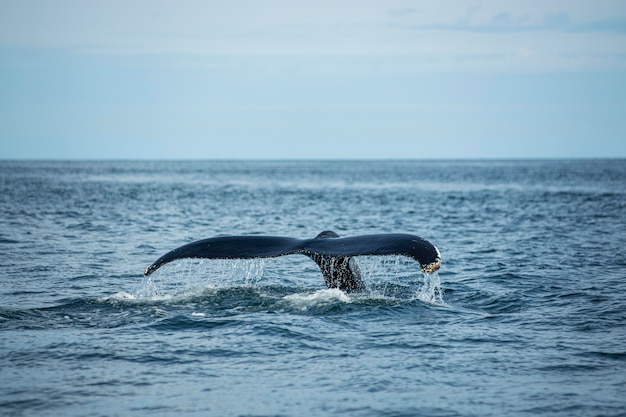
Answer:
(326, 79)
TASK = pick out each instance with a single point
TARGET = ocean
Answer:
(526, 317)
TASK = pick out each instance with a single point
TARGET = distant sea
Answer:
(526, 317)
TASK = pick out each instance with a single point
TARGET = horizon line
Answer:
(300, 159)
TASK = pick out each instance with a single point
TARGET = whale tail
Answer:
(333, 254)
(339, 271)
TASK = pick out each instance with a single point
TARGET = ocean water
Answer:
(526, 317)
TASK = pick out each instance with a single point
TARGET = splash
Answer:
(191, 276)
(395, 278)
(392, 278)
(431, 292)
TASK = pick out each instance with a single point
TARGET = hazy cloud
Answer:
(393, 36)
(278, 78)
(451, 35)
(507, 22)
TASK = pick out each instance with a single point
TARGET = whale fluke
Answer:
(332, 253)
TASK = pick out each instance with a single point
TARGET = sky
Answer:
(151, 79)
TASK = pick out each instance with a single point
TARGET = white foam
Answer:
(124, 297)
(120, 296)
(321, 297)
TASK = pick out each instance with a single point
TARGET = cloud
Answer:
(332, 36)
(503, 22)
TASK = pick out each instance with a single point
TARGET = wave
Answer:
(272, 296)
(202, 303)
(201, 291)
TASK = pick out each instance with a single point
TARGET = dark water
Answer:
(532, 320)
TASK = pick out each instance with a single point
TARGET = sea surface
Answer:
(526, 317)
